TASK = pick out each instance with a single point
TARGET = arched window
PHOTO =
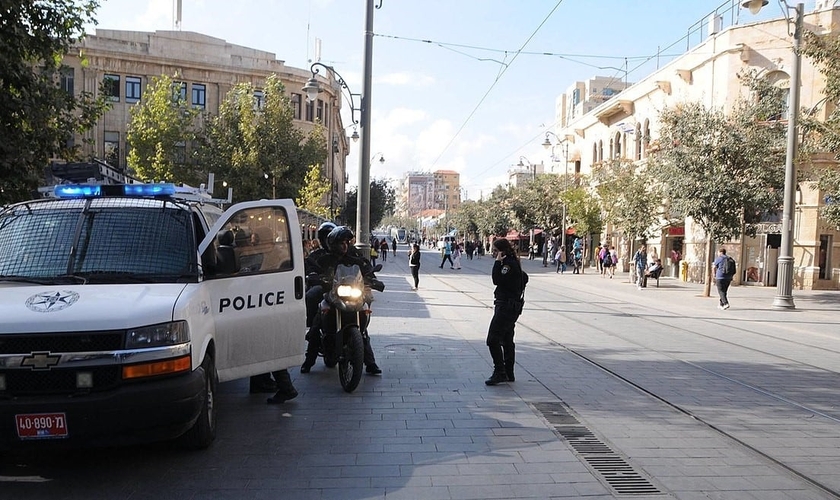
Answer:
(618, 149)
(637, 139)
(646, 138)
(594, 153)
(780, 80)
(612, 150)
(600, 150)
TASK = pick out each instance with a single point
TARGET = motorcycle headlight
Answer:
(348, 292)
(163, 334)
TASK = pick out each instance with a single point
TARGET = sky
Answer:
(463, 85)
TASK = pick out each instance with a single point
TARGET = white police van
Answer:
(123, 306)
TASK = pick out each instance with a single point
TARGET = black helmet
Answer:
(323, 231)
(337, 235)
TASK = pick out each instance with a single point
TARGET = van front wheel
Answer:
(203, 432)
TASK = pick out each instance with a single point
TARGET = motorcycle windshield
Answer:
(349, 275)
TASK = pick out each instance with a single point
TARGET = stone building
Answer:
(207, 69)
(625, 126)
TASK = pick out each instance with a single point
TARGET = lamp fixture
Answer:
(754, 6)
(313, 88)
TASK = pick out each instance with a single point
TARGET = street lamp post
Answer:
(784, 276)
(312, 88)
(547, 144)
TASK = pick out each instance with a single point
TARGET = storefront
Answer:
(760, 255)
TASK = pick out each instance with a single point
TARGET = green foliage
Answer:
(259, 151)
(465, 218)
(36, 115)
(382, 202)
(630, 198)
(161, 130)
(539, 203)
(721, 170)
(824, 135)
(315, 187)
(583, 211)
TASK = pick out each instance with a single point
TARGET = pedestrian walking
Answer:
(446, 253)
(394, 246)
(561, 260)
(640, 263)
(606, 262)
(724, 268)
(383, 249)
(414, 264)
(456, 256)
(508, 302)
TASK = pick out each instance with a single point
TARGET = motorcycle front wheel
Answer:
(351, 363)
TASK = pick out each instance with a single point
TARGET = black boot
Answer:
(498, 377)
(285, 389)
(370, 361)
(262, 383)
(308, 363)
(498, 365)
(510, 361)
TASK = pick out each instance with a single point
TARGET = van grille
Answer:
(58, 381)
(61, 342)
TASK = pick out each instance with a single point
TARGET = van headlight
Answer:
(176, 332)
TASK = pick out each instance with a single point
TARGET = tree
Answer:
(37, 116)
(539, 203)
(256, 146)
(493, 215)
(824, 136)
(630, 198)
(382, 202)
(465, 218)
(161, 129)
(725, 172)
(315, 187)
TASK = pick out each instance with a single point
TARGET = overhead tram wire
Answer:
(493, 85)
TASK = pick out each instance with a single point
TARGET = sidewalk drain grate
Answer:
(616, 472)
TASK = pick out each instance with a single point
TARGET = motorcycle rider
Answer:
(341, 251)
(313, 297)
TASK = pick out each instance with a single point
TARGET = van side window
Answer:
(262, 240)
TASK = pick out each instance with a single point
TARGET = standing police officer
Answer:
(510, 284)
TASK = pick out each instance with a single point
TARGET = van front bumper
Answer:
(140, 411)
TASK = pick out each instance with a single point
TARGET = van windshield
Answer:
(97, 241)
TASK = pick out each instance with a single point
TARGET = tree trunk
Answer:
(707, 286)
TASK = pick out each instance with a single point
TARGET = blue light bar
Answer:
(162, 189)
(76, 190)
(97, 190)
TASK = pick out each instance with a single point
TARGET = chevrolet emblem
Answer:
(40, 360)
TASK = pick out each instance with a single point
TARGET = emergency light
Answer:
(94, 190)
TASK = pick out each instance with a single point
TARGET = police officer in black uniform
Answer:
(508, 301)
(313, 297)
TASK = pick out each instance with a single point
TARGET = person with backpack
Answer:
(724, 268)
(606, 261)
(508, 301)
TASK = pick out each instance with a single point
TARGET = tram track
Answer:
(608, 308)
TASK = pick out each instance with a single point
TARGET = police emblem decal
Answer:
(45, 302)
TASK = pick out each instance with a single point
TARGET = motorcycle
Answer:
(344, 315)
